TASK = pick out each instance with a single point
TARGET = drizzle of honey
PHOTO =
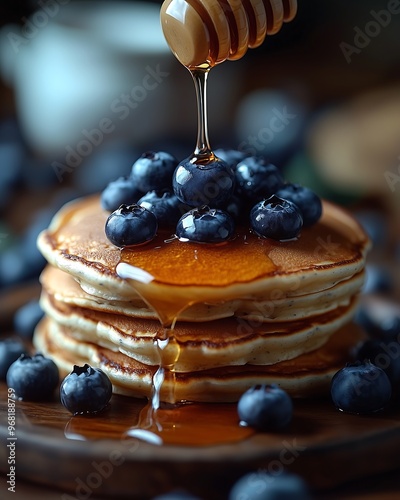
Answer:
(167, 307)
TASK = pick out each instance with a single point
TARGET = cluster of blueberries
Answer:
(35, 378)
(203, 200)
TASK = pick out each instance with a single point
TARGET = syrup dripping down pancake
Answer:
(308, 374)
(223, 342)
(277, 308)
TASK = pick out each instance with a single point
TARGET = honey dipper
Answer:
(207, 32)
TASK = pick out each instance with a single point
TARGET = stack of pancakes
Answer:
(245, 312)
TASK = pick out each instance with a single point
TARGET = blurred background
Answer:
(86, 87)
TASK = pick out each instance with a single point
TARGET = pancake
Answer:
(224, 342)
(308, 374)
(173, 276)
(248, 311)
(65, 289)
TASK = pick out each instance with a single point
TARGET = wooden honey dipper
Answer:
(207, 32)
(203, 33)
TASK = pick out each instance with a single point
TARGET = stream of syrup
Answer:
(152, 427)
(167, 307)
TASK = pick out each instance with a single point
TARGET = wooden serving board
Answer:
(92, 454)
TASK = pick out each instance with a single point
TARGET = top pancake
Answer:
(169, 270)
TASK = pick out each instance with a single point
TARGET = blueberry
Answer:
(308, 202)
(276, 218)
(197, 184)
(131, 225)
(265, 407)
(122, 191)
(10, 350)
(360, 388)
(205, 225)
(85, 390)
(383, 354)
(153, 170)
(164, 205)
(231, 156)
(261, 485)
(33, 378)
(26, 318)
(256, 178)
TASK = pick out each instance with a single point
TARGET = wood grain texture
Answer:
(327, 447)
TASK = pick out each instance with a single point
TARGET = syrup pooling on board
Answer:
(196, 424)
